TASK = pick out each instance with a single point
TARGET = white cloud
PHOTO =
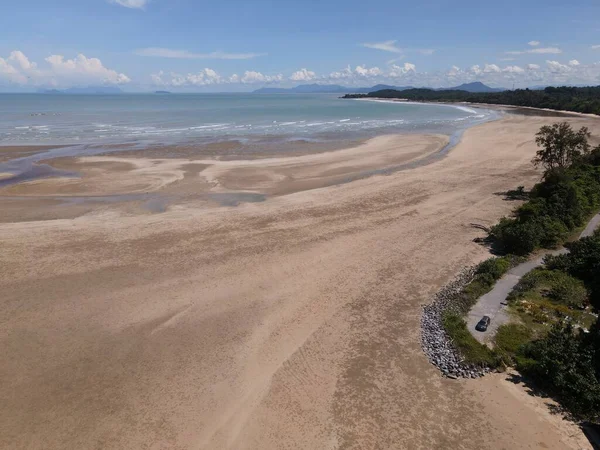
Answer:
(534, 43)
(539, 50)
(303, 75)
(22, 60)
(58, 71)
(387, 46)
(86, 68)
(251, 77)
(596, 47)
(513, 69)
(556, 67)
(551, 73)
(345, 73)
(160, 52)
(574, 63)
(367, 72)
(202, 78)
(476, 70)
(491, 68)
(134, 4)
(399, 71)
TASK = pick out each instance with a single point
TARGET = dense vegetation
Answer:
(557, 343)
(565, 359)
(578, 99)
(568, 194)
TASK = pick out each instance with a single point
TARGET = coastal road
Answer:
(493, 304)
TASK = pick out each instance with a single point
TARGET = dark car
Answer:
(483, 324)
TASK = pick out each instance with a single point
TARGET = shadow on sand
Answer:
(590, 429)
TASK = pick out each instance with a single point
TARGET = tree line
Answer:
(565, 98)
(565, 360)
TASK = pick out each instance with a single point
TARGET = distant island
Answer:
(162, 92)
(565, 98)
(94, 90)
(337, 89)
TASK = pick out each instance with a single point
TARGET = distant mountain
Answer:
(161, 92)
(95, 90)
(476, 86)
(327, 89)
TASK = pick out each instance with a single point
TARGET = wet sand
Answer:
(287, 323)
(205, 182)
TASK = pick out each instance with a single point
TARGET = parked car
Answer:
(483, 324)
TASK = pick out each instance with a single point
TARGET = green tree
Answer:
(560, 146)
(564, 362)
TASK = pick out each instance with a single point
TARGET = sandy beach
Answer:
(195, 303)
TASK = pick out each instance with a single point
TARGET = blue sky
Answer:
(236, 45)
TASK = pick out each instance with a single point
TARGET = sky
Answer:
(241, 45)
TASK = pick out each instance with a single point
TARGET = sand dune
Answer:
(290, 323)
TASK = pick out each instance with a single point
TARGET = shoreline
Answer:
(37, 163)
(491, 106)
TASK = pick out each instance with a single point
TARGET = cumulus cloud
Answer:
(491, 68)
(556, 67)
(207, 77)
(58, 71)
(160, 52)
(537, 50)
(454, 71)
(251, 77)
(400, 71)
(85, 68)
(386, 46)
(534, 43)
(551, 73)
(303, 75)
(364, 71)
(133, 4)
(202, 78)
(513, 69)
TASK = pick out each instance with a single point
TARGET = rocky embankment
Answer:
(435, 342)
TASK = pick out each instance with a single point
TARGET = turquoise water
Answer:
(152, 118)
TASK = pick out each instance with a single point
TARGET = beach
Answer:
(271, 302)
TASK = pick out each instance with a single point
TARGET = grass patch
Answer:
(509, 339)
(544, 297)
(471, 350)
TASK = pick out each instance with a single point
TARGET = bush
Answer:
(563, 363)
(568, 291)
(557, 206)
(582, 262)
(495, 267)
(558, 286)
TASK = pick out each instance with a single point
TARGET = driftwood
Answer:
(480, 227)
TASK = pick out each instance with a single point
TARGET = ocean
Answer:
(55, 119)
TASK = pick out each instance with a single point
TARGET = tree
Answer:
(560, 146)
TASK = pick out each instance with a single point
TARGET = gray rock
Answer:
(435, 342)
